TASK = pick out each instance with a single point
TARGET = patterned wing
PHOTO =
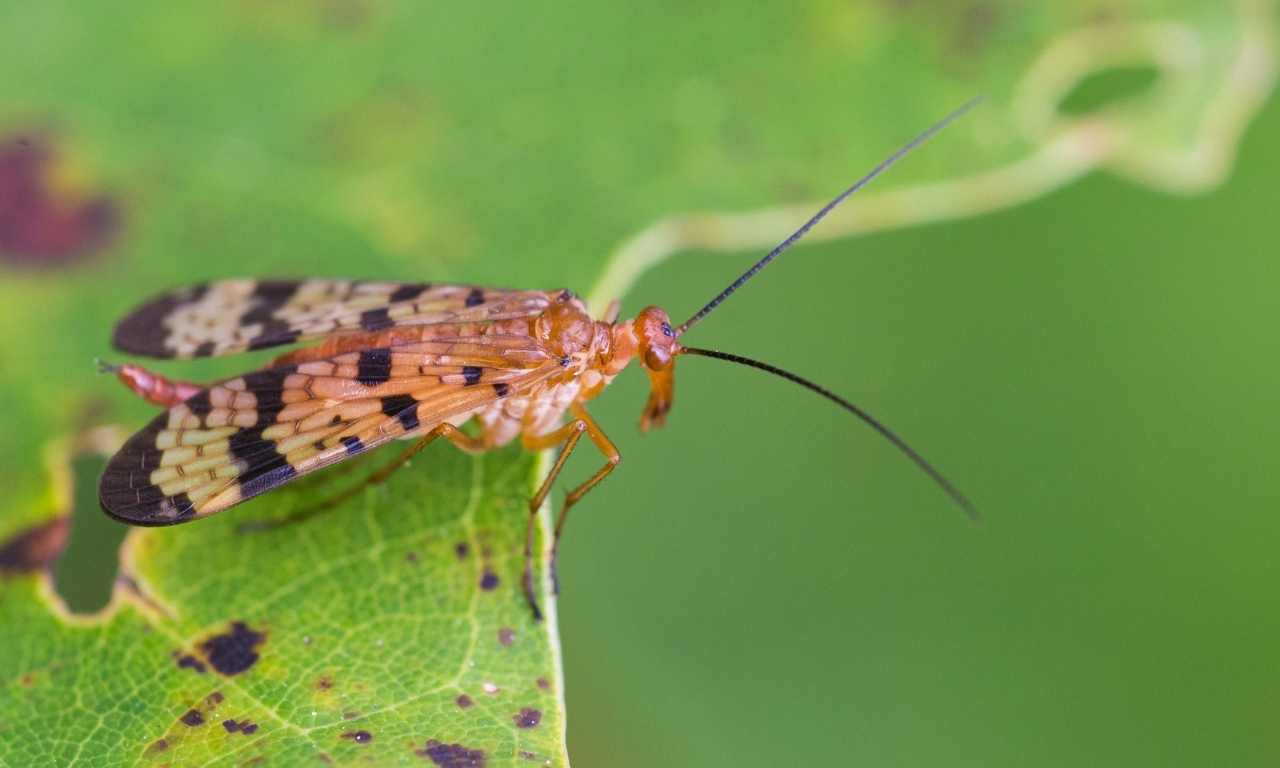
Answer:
(229, 316)
(250, 434)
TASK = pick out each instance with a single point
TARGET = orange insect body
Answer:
(590, 352)
(395, 361)
(593, 352)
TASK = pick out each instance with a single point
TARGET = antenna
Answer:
(875, 424)
(820, 215)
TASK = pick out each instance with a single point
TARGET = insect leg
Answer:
(150, 386)
(611, 459)
(569, 434)
(449, 432)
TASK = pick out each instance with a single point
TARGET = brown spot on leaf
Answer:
(451, 755)
(350, 715)
(543, 683)
(324, 683)
(244, 726)
(489, 580)
(462, 549)
(527, 718)
(187, 661)
(527, 755)
(506, 635)
(192, 718)
(235, 651)
(27, 680)
(359, 737)
(411, 557)
(35, 548)
(463, 701)
(157, 746)
(42, 223)
(214, 699)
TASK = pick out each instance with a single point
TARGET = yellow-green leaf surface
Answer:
(392, 632)
(148, 144)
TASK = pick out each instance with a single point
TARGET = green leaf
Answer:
(571, 144)
(392, 630)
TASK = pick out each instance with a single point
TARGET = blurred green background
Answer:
(764, 582)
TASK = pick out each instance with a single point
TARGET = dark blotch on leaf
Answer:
(461, 549)
(233, 652)
(324, 683)
(506, 635)
(527, 755)
(40, 224)
(451, 755)
(489, 580)
(187, 661)
(543, 683)
(157, 746)
(463, 701)
(527, 718)
(359, 737)
(35, 548)
(244, 726)
(193, 718)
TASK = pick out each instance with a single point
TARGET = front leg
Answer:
(569, 434)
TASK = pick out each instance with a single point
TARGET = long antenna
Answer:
(919, 460)
(820, 215)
